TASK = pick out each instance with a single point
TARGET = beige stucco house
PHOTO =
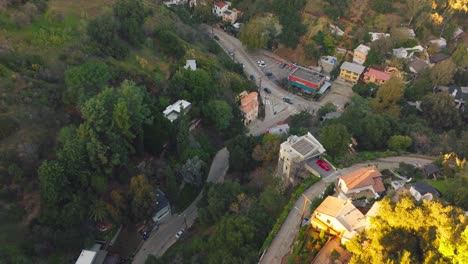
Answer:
(339, 217)
(360, 54)
(249, 106)
(364, 182)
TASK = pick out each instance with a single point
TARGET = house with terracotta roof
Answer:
(360, 54)
(220, 7)
(249, 106)
(378, 77)
(339, 217)
(363, 182)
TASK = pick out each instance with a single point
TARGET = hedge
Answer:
(280, 220)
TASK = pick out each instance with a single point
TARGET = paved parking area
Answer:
(279, 68)
(323, 173)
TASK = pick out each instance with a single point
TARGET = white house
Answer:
(191, 65)
(220, 7)
(294, 152)
(376, 35)
(173, 111)
(441, 42)
(95, 255)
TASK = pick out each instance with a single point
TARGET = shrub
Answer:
(399, 143)
(7, 127)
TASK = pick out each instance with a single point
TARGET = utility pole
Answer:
(260, 83)
(306, 200)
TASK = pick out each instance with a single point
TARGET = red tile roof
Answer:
(364, 177)
(220, 4)
(379, 75)
(249, 102)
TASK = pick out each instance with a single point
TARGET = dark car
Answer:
(269, 74)
(268, 91)
(287, 100)
(252, 78)
(216, 37)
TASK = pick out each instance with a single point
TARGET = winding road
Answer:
(164, 237)
(283, 241)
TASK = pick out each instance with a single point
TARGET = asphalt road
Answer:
(163, 238)
(283, 241)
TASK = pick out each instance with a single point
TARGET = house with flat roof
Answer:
(294, 153)
(339, 217)
(365, 182)
(360, 54)
(377, 35)
(328, 63)
(249, 106)
(96, 255)
(191, 65)
(417, 65)
(351, 72)
(423, 191)
(308, 81)
(173, 111)
(162, 208)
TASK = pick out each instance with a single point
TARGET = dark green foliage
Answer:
(419, 88)
(103, 32)
(383, 6)
(326, 108)
(365, 90)
(216, 201)
(85, 81)
(335, 139)
(240, 152)
(130, 14)
(327, 43)
(219, 113)
(373, 58)
(158, 134)
(290, 18)
(7, 126)
(440, 111)
(170, 43)
(336, 9)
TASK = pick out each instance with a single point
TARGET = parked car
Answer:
(260, 62)
(283, 65)
(216, 37)
(231, 53)
(324, 165)
(252, 77)
(287, 100)
(262, 65)
(180, 233)
(268, 91)
(268, 74)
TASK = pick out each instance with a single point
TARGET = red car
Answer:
(323, 165)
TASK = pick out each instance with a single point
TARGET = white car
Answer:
(179, 234)
(260, 62)
(262, 65)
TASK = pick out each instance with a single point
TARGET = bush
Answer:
(399, 143)
(7, 127)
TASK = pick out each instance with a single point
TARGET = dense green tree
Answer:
(419, 88)
(103, 32)
(219, 112)
(365, 90)
(326, 108)
(234, 241)
(442, 73)
(460, 55)
(388, 96)
(254, 34)
(192, 171)
(84, 81)
(112, 120)
(399, 143)
(217, 200)
(142, 198)
(131, 15)
(272, 201)
(335, 138)
(170, 43)
(440, 111)
(373, 58)
(240, 152)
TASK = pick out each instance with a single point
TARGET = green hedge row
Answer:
(280, 220)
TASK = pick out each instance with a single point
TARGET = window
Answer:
(328, 221)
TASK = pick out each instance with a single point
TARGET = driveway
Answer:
(164, 237)
(283, 241)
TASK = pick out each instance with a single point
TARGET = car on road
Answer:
(287, 100)
(216, 37)
(268, 74)
(231, 53)
(260, 62)
(323, 164)
(180, 233)
(268, 91)
(283, 65)
(252, 77)
(262, 65)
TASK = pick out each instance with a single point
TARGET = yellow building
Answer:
(351, 72)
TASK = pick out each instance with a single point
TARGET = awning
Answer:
(324, 87)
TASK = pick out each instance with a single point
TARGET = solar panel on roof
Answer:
(303, 146)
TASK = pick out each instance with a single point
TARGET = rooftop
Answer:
(435, 58)
(175, 107)
(86, 257)
(364, 177)
(424, 187)
(363, 49)
(379, 75)
(417, 65)
(221, 4)
(306, 146)
(249, 102)
(161, 200)
(308, 75)
(228, 12)
(352, 67)
(343, 210)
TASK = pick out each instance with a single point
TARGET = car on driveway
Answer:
(324, 165)
(252, 77)
(180, 233)
(287, 100)
(268, 91)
